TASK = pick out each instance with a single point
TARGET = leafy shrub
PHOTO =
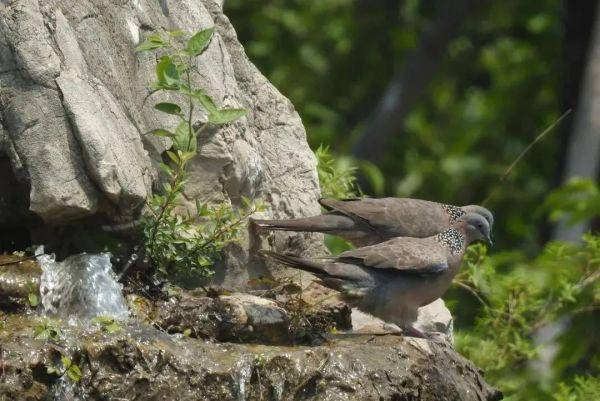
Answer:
(520, 299)
(174, 242)
(336, 176)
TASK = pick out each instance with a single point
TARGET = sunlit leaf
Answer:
(198, 43)
(148, 45)
(162, 133)
(169, 108)
(33, 300)
(224, 116)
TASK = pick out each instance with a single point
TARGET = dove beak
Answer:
(488, 239)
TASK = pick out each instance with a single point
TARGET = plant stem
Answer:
(168, 201)
(226, 228)
(191, 107)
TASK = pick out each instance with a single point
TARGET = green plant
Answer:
(516, 298)
(582, 389)
(174, 242)
(189, 245)
(108, 324)
(67, 367)
(336, 176)
(33, 300)
(46, 331)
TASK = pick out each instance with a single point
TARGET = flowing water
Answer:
(81, 287)
(76, 290)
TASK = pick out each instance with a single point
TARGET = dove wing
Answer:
(409, 255)
(401, 215)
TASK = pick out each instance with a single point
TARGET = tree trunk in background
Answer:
(408, 85)
(583, 152)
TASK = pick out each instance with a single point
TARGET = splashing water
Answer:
(81, 286)
(241, 374)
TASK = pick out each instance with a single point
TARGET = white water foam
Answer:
(81, 287)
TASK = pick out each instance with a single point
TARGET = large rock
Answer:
(72, 120)
(143, 364)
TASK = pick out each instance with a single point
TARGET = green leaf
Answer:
(74, 373)
(206, 101)
(33, 300)
(169, 108)
(198, 43)
(176, 34)
(156, 38)
(225, 116)
(166, 168)
(202, 209)
(182, 138)
(148, 45)
(66, 361)
(162, 133)
(173, 156)
(166, 73)
(152, 42)
(171, 75)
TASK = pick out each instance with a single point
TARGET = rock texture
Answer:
(72, 120)
(17, 281)
(142, 364)
(434, 318)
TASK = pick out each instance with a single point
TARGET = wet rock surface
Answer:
(18, 279)
(143, 364)
(215, 345)
(242, 318)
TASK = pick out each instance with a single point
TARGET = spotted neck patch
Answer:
(453, 212)
(452, 239)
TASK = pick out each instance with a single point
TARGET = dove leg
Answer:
(410, 331)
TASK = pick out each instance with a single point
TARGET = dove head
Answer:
(480, 210)
(474, 227)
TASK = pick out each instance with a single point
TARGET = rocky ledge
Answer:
(139, 362)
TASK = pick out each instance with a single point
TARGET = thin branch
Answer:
(472, 290)
(524, 152)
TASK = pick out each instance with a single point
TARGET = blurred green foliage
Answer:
(526, 308)
(337, 176)
(497, 88)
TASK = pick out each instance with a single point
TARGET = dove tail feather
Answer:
(323, 223)
(336, 282)
(296, 262)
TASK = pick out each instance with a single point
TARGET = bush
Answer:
(186, 244)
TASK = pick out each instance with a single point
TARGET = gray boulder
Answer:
(73, 121)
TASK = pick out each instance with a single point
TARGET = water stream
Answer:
(76, 290)
(81, 287)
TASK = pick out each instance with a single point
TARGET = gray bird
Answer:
(369, 221)
(391, 280)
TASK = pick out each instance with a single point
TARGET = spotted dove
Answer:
(392, 279)
(369, 221)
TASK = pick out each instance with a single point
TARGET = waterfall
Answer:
(81, 287)
(76, 290)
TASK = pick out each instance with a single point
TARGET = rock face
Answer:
(139, 363)
(73, 124)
